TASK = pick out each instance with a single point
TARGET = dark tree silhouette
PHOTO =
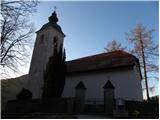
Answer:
(24, 94)
(113, 46)
(16, 33)
(54, 76)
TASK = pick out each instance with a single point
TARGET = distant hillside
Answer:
(11, 87)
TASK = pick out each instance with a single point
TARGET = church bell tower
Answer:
(49, 36)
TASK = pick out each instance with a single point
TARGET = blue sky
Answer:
(89, 26)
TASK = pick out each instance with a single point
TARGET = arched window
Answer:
(55, 40)
(41, 39)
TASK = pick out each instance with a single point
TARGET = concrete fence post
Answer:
(80, 97)
(108, 98)
(70, 102)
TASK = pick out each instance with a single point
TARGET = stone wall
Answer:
(20, 108)
(11, 87)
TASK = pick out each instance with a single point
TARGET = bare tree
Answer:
(16, 32)
(113, 46)
(146, 50)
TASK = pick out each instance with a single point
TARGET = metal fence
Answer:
(94, 101)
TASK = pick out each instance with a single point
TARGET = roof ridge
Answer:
(104, 53)
(102, 61)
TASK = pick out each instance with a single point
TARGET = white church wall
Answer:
(127, 86)
(138, 76)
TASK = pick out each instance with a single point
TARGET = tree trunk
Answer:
(144, 68)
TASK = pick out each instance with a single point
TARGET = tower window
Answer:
(55, 40)
(41, 39)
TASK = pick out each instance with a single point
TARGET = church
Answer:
(119, 68)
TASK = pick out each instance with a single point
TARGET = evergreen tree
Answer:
(54, 76)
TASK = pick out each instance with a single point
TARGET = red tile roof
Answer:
(102, 61)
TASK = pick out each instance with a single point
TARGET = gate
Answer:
(94, 106)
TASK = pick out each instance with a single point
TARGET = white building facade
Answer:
(125, 80)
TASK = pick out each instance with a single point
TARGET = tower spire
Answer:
(53, 18)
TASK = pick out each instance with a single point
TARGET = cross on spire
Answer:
(53, 18)
(55, 8)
